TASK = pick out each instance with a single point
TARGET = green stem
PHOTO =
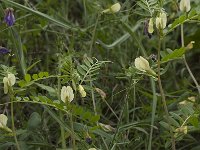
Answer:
(153, 87)
(72, 136)
(185, 62)
(93, 35)
(163, 97)
(12, 118)
(90, 54)
(93, 100)
(62, 131)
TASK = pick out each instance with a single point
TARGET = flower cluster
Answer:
(67, 94)
(161, 19)
(8, 82)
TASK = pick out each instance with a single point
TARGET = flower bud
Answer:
(3, 120)
(113, 9)
(67, 94)
(106, 127)
(185, 5)
(9, 17)
(82, 91)
(161, 21)
(150, 26)
(183, 129)
(190, 45)
(142, 64)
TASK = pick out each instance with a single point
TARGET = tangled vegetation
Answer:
(99, 74)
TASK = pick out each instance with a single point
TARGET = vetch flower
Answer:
(3, 123)
(113, 9)
(183, 129)
(146, 28)
(150, 26)
(3, 120)
(67, 94)
(92, 149)
(8, 82)
(161, 21)
(82, 91)
(4, 50)
(190, 45)
(185, 5)
(106, 127)
(9, 18)
(143, 65)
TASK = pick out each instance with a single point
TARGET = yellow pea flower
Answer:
(161, 21)
(185, 5)
(113, 9)
(8, 82)
(82, 91)
(67, 94)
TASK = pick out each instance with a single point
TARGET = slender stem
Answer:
(93, 35)
(90, 54)
(12, 118)
(93, 100)
(62, 131)
(163, 96)
(185, 62)
(153, 87)
(72, 136)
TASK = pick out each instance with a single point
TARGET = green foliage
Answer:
(70, 43)
(176, 54)
(89, 69)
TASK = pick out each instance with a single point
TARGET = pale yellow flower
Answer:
(190, 45)
(82, 91)
(8, 82)
(3, 120)
(185, 5)
(183, 129)
(67, 94)
(150, 26)
(161, 21)
(106, 127)
(113, 9)
(142, 64)
(92, 149)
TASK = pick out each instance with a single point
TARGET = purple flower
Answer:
(9, 16)
(4, 50)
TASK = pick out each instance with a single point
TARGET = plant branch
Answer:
(185, 61)
(163, 97)
(12, 118)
